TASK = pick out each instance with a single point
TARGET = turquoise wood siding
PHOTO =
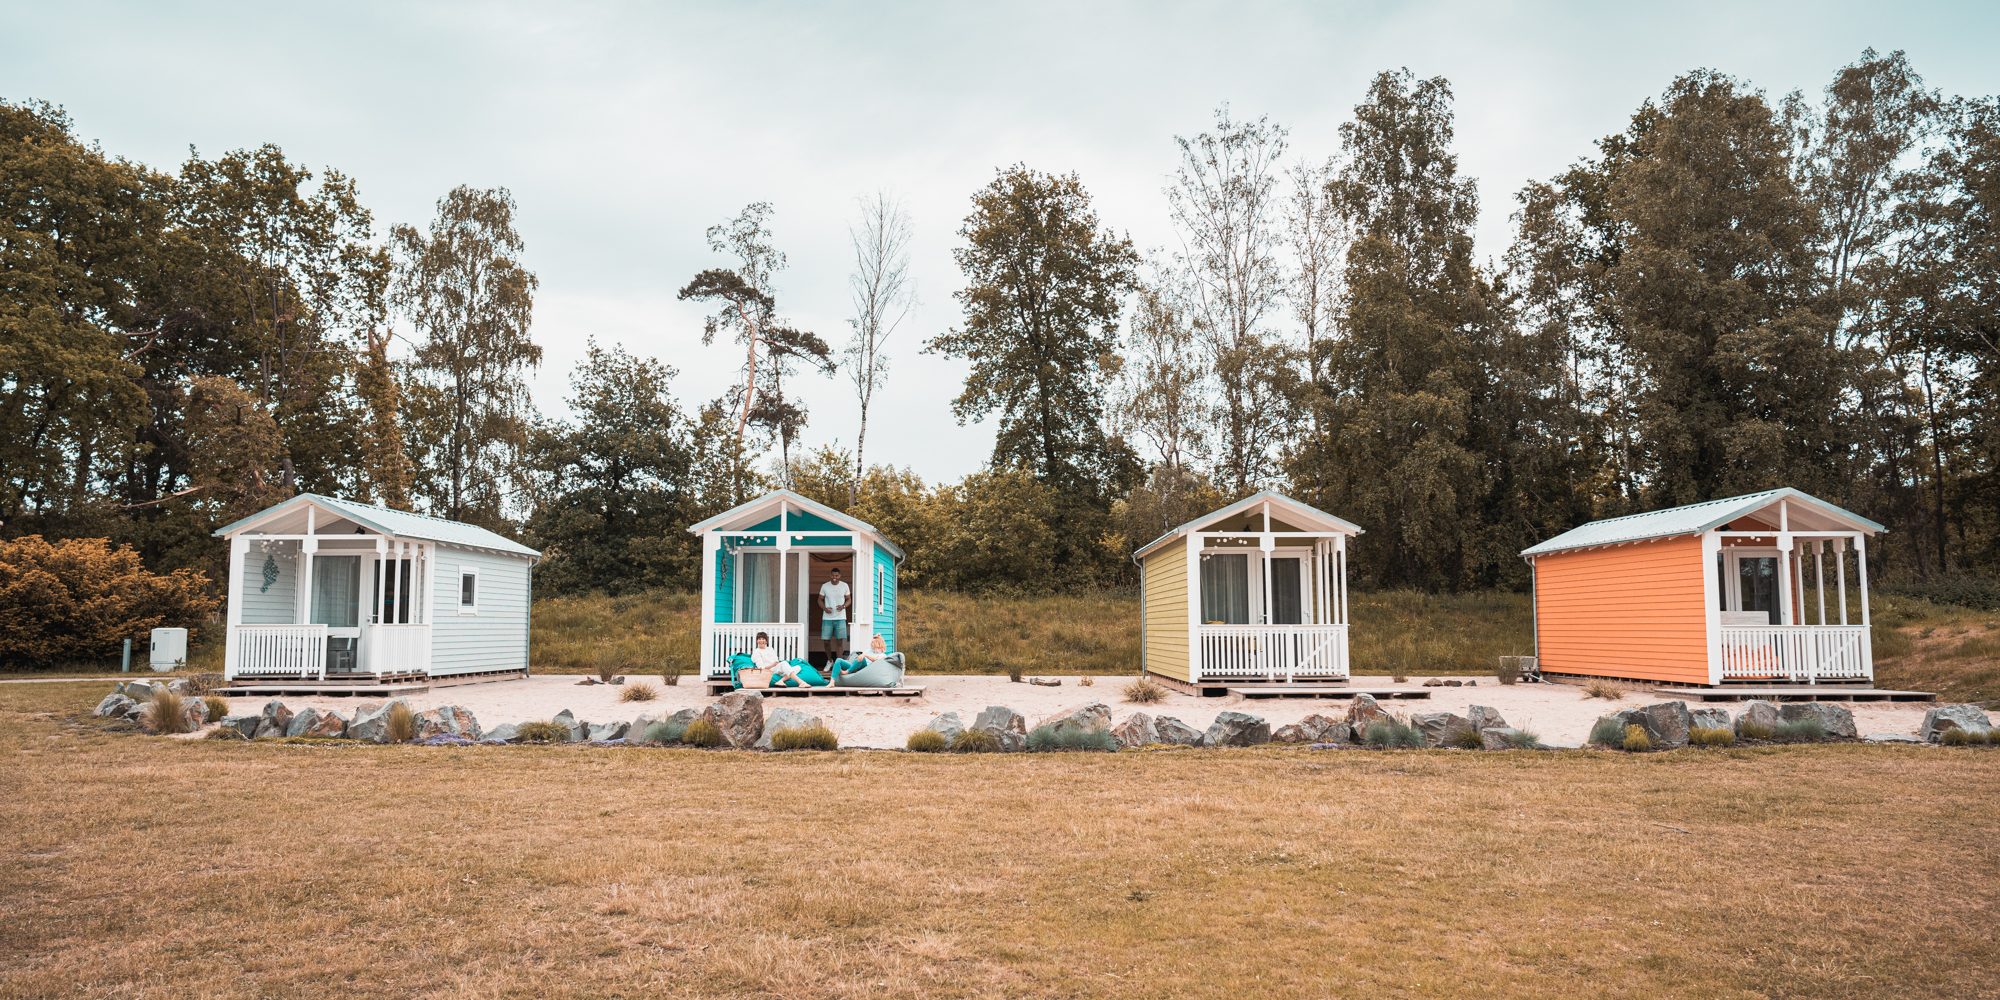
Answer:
(280, 604)
(724, 586)
(495, 637)
(885, 603)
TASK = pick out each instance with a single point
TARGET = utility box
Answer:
(170, 648)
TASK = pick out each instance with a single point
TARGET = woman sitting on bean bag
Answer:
(875, 668)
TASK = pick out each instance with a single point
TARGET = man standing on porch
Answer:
(833, 596)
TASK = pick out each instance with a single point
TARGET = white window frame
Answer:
(464, 608)
(881, 585)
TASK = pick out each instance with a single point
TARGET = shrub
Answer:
(671, 678)
(975, 741)
(1607, 732)
(166, 713)
(1806, 730)
(607, 664)
(1993, 737)
(640, 691)
(1393, 733)
(401, 725)
(1145, 692)
(81, 598)
(1524, 739)
(702, 733)
(664, 733)
(1636, 740)
(1751, 730)
(203, 684)
(1048, 738)
(1465, 738)
(813, 737)
(1014, 674)
(1086, 681)
(1510, 670)
(925, 741)
(1711, 736)
(216, 706)
(1956, 738)
(1399, 678)
(1603, 689)
(542, 732)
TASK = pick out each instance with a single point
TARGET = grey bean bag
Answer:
(860, 673)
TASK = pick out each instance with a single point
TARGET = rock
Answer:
(304, 720)
(636, 733)
(947, 725)
(1483, 718)
(194, 714)
(1313, 728)
(620, 679)
(1176, 732)
(245, 725)
(1441, 729)
(1364, 712)
(1454, 683)
(1472, 684)
(1891, 738)
(1708, 718)
(277, 720)
(1434, 682)
(1761, 713)
(505, 732)
(113, 706)
(372, 723)
(137, 690)
(454, 719)
(1941, 719)
(1498, 737)
(445, 740)
(1839, 722)
(740, 717)
(1237, 729)
(578, 731)
(1291, 732)
(1136, 731)
(1666, 723)
(1095, 715)
(604, 732)
(1006, 725)
(791, 718)
(586, 682)
(183, 687)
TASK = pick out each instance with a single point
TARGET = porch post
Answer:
(1340, 581)
(1840, 572)
(708, 597)
(307, 547)
(1711, 599)
(1861, 567)
(1194, 606)
(1785, 578)
(239, 547)
(1819, 571)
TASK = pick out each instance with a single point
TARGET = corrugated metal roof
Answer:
(1338, 523)
(400, 523)
(845, 520)
(1689, 520)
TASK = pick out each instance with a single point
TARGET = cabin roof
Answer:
(387, 521)
(1300, 511)
(1694, 519)
(750, 510)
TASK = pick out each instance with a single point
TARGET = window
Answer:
(1287, 590)
(881, 589)
(1225, 589)
(468, 591)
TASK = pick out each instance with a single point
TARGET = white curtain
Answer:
(757, 589)
(1287, 597)
(336, 596)
(1225, 589)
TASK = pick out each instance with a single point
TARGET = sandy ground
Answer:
(1559, 713)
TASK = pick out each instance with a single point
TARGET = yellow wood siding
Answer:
(1166, 610)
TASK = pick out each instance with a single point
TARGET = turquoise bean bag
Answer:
(812, 677)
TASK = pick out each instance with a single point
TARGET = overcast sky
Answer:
(625, 131)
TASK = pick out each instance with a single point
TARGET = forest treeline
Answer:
(1729, 292)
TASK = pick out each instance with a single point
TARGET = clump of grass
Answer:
(1956, 738)
(1014, 674)
(607, 663)
(166, 714)
(664, 733)
(702, 733)
(1399, 678)
(401, 725)
(640, 691)
(1523, 739)
(1391, 734)
(813, 737)
(1465, 738)
(1047, 738)
(225, 733)
(1607, 732)
(542, 732)
(1993, 737)
(1636, 740)
(1086, 681)
(671, 678)
(975, 741)
(203, 684)
(1806, 730)
(1752, 730)
(1604, 689)
(216, 706)
(1711, 736)
(1510, 670)
(925, 741)
(1145, 692)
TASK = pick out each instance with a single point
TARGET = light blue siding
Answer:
(495, 637)
(278, 605)
(885, 603)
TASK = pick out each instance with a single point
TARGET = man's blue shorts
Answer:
(833, 628)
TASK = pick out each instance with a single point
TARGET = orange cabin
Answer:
(1766, 587)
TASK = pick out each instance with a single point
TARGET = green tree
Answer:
(471, 301)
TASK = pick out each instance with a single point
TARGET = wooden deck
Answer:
(1322, 691)
(1792, 692)
(360, 686)
(915, 691)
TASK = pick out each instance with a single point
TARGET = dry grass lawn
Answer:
(144, 867)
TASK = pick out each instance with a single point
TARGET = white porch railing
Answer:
(788, 640)
(1804, 654)
(1272, 652)
(396, 649)
(277, 651)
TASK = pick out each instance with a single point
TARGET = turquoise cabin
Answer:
(762, 564)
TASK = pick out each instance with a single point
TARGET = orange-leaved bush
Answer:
(79, 598)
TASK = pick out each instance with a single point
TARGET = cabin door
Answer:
(336, 604)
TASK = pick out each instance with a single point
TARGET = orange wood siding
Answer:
(1629, 611)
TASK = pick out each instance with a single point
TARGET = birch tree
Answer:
(882, 294)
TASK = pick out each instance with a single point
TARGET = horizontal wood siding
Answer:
(1627, 611)
(496, 636)
(1166, 610)
(885, 604)
(280, 604)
